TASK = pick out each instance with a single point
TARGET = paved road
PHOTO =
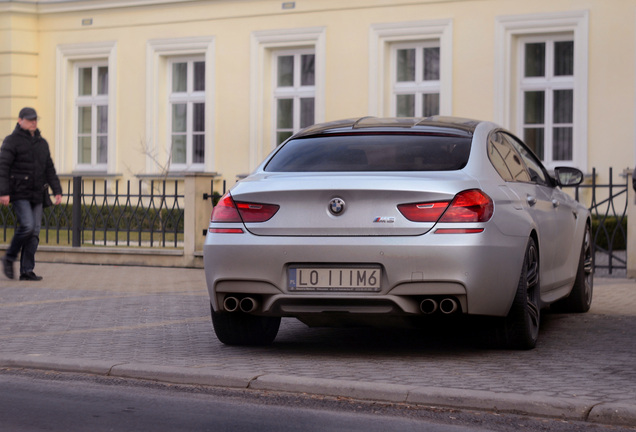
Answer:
(31, 404)
(154, 323)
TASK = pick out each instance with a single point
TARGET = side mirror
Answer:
(568, 176)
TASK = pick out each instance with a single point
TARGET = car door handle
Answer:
(555, 203)
(531, 200)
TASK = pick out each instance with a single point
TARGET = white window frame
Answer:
(263, 45)
(66, 149)
(381, 67)
(93, 100)
(159, 53)
(548, 84)
(508, 31)
(189, 98)
(419, 87)
(296, 92)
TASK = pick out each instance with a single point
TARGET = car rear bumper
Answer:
(479, 272)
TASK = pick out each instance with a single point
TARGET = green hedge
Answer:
(612, 232)
(125, 218)
(120, 218)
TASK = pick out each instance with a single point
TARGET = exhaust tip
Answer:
(448, 306)
(428, 306)
(248, 304)
(230, 304)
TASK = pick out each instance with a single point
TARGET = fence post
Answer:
(196, 215)
(76, 221)
(631, 229)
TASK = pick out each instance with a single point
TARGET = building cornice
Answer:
(64, 6)
(45, 7)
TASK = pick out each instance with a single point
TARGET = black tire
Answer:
(520, 329)
(238, 328)
(580, 298)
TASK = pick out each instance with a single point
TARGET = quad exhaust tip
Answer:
(246, 304)
(230, 304)
(446, 306)
(428, 306)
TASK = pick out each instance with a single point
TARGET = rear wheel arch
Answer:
(520, 328)
(579, 300)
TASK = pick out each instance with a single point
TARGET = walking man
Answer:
(26, 172)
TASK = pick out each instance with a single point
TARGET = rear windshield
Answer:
(372, 152)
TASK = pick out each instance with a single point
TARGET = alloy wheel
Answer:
(533, 309)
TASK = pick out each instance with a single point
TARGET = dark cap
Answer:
(28, 113)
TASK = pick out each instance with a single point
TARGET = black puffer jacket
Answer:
(26, 166)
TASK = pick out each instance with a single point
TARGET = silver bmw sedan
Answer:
(395, 221)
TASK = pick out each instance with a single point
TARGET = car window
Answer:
(372, 152)
(535, 169)
(497, 153)
(506, 160)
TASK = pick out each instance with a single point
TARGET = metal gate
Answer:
(608, 206)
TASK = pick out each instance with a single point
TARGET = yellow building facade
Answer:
(152, 87)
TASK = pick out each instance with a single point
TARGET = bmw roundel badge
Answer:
(336, 206)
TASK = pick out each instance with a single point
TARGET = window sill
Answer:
(89, 174)
(176, 174)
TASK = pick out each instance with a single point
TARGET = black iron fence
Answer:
(145, 213)
(608, 205)
(150, 213)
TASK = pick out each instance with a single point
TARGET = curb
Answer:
(615, 414)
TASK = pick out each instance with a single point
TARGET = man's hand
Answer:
(58, 199)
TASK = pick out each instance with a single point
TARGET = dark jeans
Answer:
(27, 234)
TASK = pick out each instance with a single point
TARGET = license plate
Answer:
(347, 279)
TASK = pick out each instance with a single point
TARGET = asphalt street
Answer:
(153, 323)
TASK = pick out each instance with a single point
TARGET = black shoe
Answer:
(30, 276)
(7, 266)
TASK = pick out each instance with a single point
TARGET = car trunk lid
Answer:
(340, 204)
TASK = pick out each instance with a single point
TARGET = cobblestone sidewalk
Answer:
(156, 320)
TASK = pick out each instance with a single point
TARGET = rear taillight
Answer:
(252, 212)
(467, 206)
(227, 210)
(423, 212)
